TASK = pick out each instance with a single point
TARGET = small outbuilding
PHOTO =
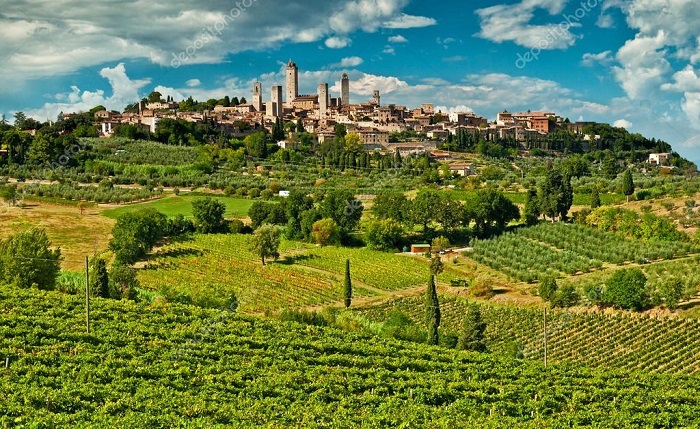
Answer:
(420, 248)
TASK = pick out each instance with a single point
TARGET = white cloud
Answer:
(512, 23)
(348, 62)
(389, 50)
(397, 39)
(454, 109)
(40, 40)
(643, 65)
(193, 82)
(409, 21)
(337, 42)
(124, 91)
(454, 59)
(603, 58)
(622, 123)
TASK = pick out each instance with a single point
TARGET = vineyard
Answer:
(180, 366)
(595, 340)
(558, 249)
(211, 267)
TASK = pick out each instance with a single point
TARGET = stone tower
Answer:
(323, 101)
(257, 97)
(376, 100)
(292, 82)
(345, 90)
(276, 101)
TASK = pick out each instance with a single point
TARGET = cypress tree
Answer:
(627, 184)
(432, 312)
(348, 284)
(473, 327)
(99, 280)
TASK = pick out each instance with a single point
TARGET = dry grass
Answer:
(77, 235)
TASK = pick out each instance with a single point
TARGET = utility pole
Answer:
(87, 295)
(544, 325)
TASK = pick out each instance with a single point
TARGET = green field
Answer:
(209, 268)
(180, 366)
(182, 205)
(596, 340)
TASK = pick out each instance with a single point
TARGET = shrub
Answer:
(565, 297)
(547, 288)
(626, 289)
(481, 288)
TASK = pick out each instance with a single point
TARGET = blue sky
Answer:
(632, 63)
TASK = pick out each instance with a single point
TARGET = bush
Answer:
(547, 288)
(481, 288)
(208, 214)
(123, 283)
(565, 297)
(26, 259)
(626, 289)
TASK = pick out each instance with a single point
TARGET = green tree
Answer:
(135, 234)
(423, 208)
(347, 291)
(256, 145)
(565, 297)
(626, 289)
(123, 283)
(265, 242)
(547, 288)
(491, 210)
(440, 243)
(342, 206)
(472, 332)
(390, 204)
(26, 259)
(555, 195)
(432, 311)
(9, 194)
(595, 198)
(325, 231)
(531, 212)
(99, 278)
(208, 214)
(671, 291)
(295, 205)
(383, 234)
(627, 184)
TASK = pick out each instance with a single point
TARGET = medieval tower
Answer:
(345, 90)
(257, 97)
(322, 101)
(292, 82)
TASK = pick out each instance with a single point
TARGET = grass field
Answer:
(77, 235)
(182, 204)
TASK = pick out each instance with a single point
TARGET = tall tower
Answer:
(292, 82)
(376, 100)
(345, 90)
(276, 100)
(323, 101)
(257, 97)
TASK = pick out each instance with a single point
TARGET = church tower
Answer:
(376, 99)
(292, 82)
(323, 101)
(345, 90)
(257, 97)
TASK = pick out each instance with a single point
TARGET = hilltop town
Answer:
(377, 125)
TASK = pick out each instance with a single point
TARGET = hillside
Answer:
(185, 367)
(599, 340)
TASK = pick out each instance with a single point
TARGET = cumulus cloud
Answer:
(40, 41)
(512, 23)
(124, 91)
(397, 39)
(622, 123)
(603, 58)
(193, 82)
(643, 65)
(348, 62)
(337, 42)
